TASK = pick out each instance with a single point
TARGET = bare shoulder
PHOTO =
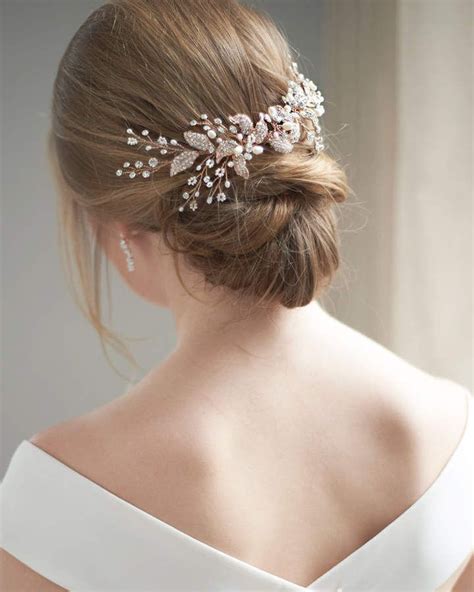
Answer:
(94, 442)
(419, 421)
(127, 428)
(145, 452)
(153, 452)
(434, 412)
(424, 406)
(403, 422)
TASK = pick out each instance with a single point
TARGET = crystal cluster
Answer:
(216, 149)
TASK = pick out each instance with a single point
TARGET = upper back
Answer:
(257, 463)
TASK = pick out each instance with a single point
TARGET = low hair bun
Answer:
(277, 240)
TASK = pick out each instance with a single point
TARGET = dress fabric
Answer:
(86, 539)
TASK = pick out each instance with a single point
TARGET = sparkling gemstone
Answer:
(193, 122)
(153, 162)
(138, 164)
(126, 164)
(132, 175)
(119, 172)
(146, 174)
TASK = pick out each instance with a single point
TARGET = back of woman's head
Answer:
(156, 65)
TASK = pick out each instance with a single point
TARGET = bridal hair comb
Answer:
(221, 149)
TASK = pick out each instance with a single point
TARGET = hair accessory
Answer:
(220, 149)
(127, 252)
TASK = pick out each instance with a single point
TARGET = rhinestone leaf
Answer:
(240, 166)
(278, 113)
(280, 144)
(199, 141)
(225, 148)
(183, 161)
(243, 121)
(261, 131)
(295, 132)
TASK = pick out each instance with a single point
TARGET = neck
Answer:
(217, 319)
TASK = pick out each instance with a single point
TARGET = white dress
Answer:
(84, 538)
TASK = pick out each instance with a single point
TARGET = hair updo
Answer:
(157, 64)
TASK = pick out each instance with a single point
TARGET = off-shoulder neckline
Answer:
(248, 566)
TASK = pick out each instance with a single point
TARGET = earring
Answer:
(128, 253)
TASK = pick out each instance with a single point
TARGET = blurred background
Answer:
(397, 81)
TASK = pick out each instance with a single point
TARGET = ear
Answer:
(117, 229)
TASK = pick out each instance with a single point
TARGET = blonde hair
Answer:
(157, 64)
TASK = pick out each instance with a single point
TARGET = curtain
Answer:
(397, 76)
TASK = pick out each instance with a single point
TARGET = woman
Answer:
(275, 448)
